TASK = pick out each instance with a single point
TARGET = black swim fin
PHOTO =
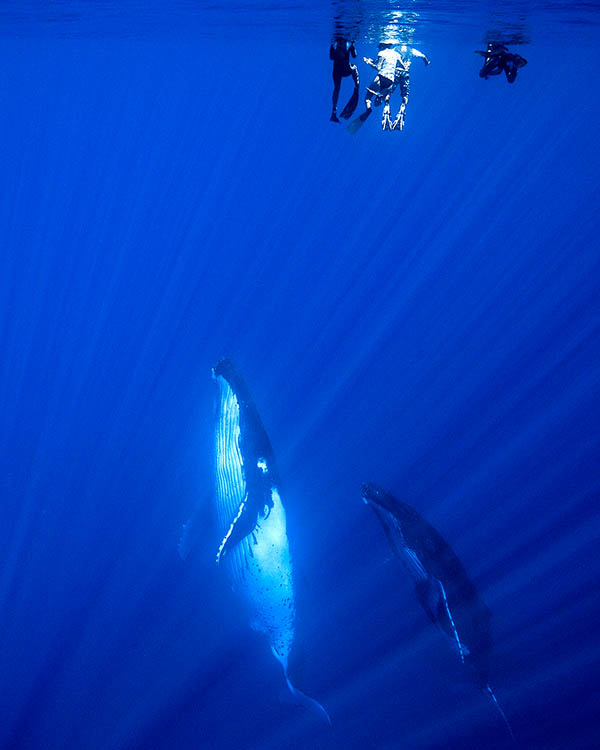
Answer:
(355, 125)
(348, 110)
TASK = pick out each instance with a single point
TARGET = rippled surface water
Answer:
(298, 20)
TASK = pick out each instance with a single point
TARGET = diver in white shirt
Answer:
(392, 71)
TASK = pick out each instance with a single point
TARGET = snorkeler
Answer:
(498, 59)
(342, 68)
(392, 71)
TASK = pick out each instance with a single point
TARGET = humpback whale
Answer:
(442, 585)
(254, 550)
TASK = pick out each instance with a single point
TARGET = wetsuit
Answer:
(498, 59)
(342, 68)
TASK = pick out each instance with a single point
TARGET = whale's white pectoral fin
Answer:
(230, 529)
(462, 649)
(501, 712)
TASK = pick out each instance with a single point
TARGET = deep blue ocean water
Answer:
(418, 309)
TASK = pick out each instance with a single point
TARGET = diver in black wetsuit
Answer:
(498, 59)
(342, 68)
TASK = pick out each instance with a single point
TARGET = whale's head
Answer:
(225, 369)
(389, 510)
(376, 497)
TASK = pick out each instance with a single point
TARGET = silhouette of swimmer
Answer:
(498, 59)
(342, 68)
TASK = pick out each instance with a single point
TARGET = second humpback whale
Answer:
(254, 551)
(442, 585)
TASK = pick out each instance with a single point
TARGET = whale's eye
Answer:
(262, 465)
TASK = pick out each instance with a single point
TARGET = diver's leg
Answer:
(372, 90)
(386, 119)
(352, 104)
(398, 123)
(511, 71)
(404, 84)
(491, 67)
(337, 82)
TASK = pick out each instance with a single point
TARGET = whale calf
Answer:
(442, 585)
(254, 550)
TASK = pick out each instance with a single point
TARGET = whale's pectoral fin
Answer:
(446, 614)
(501, 712)
(243, 524)
(432, 595)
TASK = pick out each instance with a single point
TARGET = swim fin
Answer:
(386, 120)
(355, 125)
(348, 110)
(398, 123)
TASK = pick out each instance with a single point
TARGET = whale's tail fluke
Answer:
(501, 712)
(307, 702)
(297, 696)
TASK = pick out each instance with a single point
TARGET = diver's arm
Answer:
(371, 63)
(416, 53)
(331, 52)
(352, 49)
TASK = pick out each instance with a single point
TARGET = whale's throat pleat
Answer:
(229, 465)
